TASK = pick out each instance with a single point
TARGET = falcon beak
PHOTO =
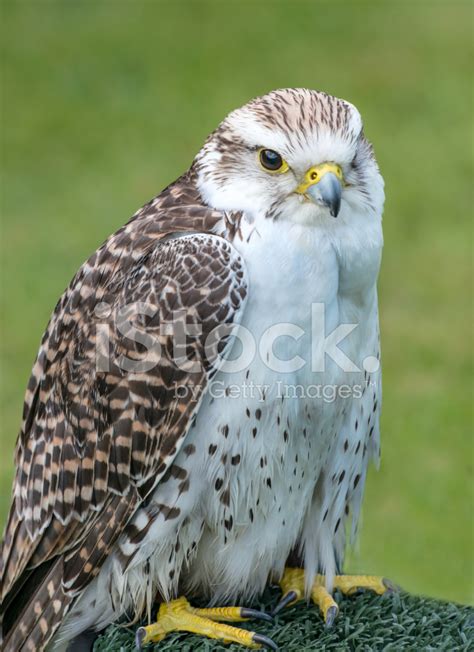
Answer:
(323, 185)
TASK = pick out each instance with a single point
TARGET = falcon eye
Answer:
(272, 161)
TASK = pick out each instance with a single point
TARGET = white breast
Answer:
(281, 434)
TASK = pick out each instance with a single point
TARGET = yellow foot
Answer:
(293, 586)
(179, 616)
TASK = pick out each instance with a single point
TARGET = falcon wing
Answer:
(102, 425)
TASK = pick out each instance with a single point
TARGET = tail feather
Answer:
(13, 552)
(40, 618)
(39, 601)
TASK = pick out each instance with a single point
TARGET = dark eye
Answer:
(270, 160)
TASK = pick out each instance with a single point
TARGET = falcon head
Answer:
(293, 154)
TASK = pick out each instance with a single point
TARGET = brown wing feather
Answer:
(94, 442)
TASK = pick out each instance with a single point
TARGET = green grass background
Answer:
(104, 103)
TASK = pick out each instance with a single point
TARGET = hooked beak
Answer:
(323, 185)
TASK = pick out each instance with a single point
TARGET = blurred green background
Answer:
(105, 103)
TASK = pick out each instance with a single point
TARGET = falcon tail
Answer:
(31, 617)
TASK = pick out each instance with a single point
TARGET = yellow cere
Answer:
(316, 173)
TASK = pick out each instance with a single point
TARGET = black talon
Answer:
(139, 636)
(331, 615)
(284, 602)
(264, 640)
(255, 613)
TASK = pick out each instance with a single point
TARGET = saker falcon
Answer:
(185, 432)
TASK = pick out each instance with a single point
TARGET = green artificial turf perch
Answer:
(366, 622)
